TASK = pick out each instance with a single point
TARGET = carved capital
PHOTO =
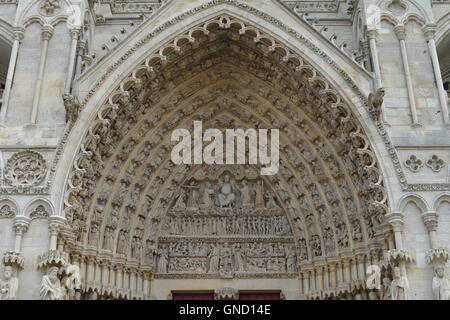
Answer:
(19, 33)
(56, 224)
(372, 33)
(21, 224)
(430, 219)
(395, 219)
(429, 31)
(74, 33)
(400, 31)
(47, 32)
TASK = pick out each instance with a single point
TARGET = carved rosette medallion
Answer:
(25, 169)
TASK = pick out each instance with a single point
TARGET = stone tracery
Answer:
(123, 181)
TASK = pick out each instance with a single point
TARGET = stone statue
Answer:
(226, 195)
(72, 106)
(441, 285)
(179, 204)
(207, 201)
(8, 285)
(51, 286)
(192, 202)
(238, 258)
(71, 282)
(291, 259)
(214, 259)
(163, 260)
(246, 199)
(399, 286)
(375, 101)
(386, 289)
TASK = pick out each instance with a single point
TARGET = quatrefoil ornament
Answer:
(413, 163)
(435, 163)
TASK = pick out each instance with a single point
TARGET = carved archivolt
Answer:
(126, 201)
(25, 169)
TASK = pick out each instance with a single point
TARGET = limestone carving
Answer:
(9, 284)
(413, 163)
(50, 7)
(39, 213)
(375, 100)
(441, 285)
(6, 211)
(435, 163)
(51, 288)
(25, 169)
(72, 106)
(399, 286)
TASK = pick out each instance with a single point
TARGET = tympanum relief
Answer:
(228, 226)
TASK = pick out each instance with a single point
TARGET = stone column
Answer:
(372, 34)
(395, 219)
(18, 37)
(81, 46)
(346, 276)
(429, 31)
(319, 279)
(305, 282)
(105, 273)
(47, 32)
(360, 258)
(332, 271)
(339, 274)
(401, 35)
(326, 279)
(430, 220)
(20, 226)
(74, 33)
(55, 223)
(146, 287)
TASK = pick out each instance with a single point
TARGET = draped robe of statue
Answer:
(245, 196)
(9, 285)
(226, 195)
(399, 286)
(441, 285)
(51, 286)
(214, 259)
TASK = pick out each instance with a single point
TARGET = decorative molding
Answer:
(435, 163)
(53, 258)
(15, 259)
(302, 6)
(438, 255)
(413, 164)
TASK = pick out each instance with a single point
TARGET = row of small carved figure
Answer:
(414, 164)
(213, 258)
(202, 226)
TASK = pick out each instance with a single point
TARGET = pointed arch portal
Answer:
(132, 214)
